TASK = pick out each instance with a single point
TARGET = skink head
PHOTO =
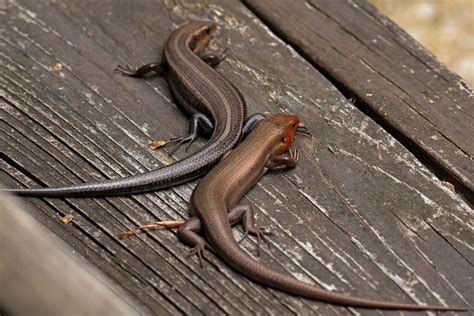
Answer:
(287, 125)
(201, 33)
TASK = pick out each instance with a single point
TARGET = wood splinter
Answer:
(169, 224)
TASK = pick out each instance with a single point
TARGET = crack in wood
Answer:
(425, 157)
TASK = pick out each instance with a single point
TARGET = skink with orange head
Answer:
(214, 206)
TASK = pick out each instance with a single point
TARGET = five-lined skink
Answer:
(215, 105)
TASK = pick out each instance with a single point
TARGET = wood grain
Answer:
(391, 76)
(360, 214)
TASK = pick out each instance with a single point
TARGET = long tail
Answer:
(153, 180)
(233, 255)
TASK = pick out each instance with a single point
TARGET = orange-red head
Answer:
(288, 124)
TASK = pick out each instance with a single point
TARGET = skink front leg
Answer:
(158, 68)
(214, 59)
(125, 70)
(284, 161)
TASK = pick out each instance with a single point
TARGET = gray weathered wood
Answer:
(41, 276)
(359, 215)
(407, 90)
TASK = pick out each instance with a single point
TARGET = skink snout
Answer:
(301, 129)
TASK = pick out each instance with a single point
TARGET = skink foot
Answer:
(179, 140)
(199, 251)
(260, 233)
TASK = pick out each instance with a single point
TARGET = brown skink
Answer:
(213, 102)
(214, 207)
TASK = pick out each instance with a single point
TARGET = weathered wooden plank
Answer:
(41, 276)
(403, 86)
(360, 215)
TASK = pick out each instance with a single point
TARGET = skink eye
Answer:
(293, 125)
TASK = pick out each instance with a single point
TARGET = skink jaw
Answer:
(288, 124)
(303, 130)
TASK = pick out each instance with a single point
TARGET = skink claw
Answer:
(260, 233)
(197, 250)
(124, 70)
(179, 140)
(182, 140)
(294, 154)
(198, 122)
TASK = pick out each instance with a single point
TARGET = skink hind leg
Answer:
(244, 213)
(189, 231)
(198, 122)
(189, 234)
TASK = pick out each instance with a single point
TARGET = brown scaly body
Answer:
(199, 89)
(214, 202)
